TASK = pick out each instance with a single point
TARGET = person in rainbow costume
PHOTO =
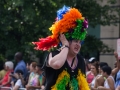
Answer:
(65, 67)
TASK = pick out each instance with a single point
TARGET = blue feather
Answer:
(62, 11)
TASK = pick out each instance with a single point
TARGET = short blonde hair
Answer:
(9, 64)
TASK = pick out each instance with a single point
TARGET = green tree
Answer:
(24, 21)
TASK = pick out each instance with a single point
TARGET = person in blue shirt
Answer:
(20, 63)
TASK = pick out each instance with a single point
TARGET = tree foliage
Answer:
(24, 21)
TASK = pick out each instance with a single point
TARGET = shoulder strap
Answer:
(81, 64)
(46, 59)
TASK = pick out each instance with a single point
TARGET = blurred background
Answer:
(25, 21)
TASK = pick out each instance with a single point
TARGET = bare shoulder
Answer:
(100, 77)
(109, 79)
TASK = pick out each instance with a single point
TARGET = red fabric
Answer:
(45, 43)
(90, 77)
(6, 78)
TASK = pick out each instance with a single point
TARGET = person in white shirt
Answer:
(20, 80)
(95, 71)
(109, 83)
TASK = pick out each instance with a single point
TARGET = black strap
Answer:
(72, 61)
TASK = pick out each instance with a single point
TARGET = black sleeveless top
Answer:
(53, 74)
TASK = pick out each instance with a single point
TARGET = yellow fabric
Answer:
(82, 82)
(83, 85)
(2, 74)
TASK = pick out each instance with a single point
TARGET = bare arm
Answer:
(110, 83)
(58, 60)
(16, 87)
(43, 80)
(28, 82)
(99, 81)
(9, 79)
(115, 70)
(22, 79)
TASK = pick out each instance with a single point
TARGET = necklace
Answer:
(72, 70)
(72, 64)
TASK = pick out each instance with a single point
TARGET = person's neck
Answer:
(95, 74)
(70, 57)
(40, 72)
(19, 61)
(107, 76)
(34, 71)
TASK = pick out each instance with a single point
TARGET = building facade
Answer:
(109, 35)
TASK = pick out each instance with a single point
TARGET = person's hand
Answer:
(42, 87)
(116, 56)
(29, 87)
(11, 75)
(21, 76)
(12, 83)
(100, 87)
(63, 40)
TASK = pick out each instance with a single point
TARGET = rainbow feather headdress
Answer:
(70, 22)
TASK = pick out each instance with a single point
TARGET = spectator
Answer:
(28, 71)
(33, 78)
(41, 75)
(19, 83)
(109, 83)
(89, 74)
(117, 70)
(6, 80)
(28, 65)
(100, 80)
(20, 63)
(2, 72)
(95, 71)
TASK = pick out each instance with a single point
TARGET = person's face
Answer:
(37, 68)
(103, 73)
(28, 66)
(31, 68)
(75, 46)
(93, 69)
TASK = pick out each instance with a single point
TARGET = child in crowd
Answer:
(41, 76)
(28, 71)
(33, 78)
(20, 80)
(109, 83)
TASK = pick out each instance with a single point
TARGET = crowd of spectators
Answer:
(30, 76)
(101, 76)
(24, 76)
